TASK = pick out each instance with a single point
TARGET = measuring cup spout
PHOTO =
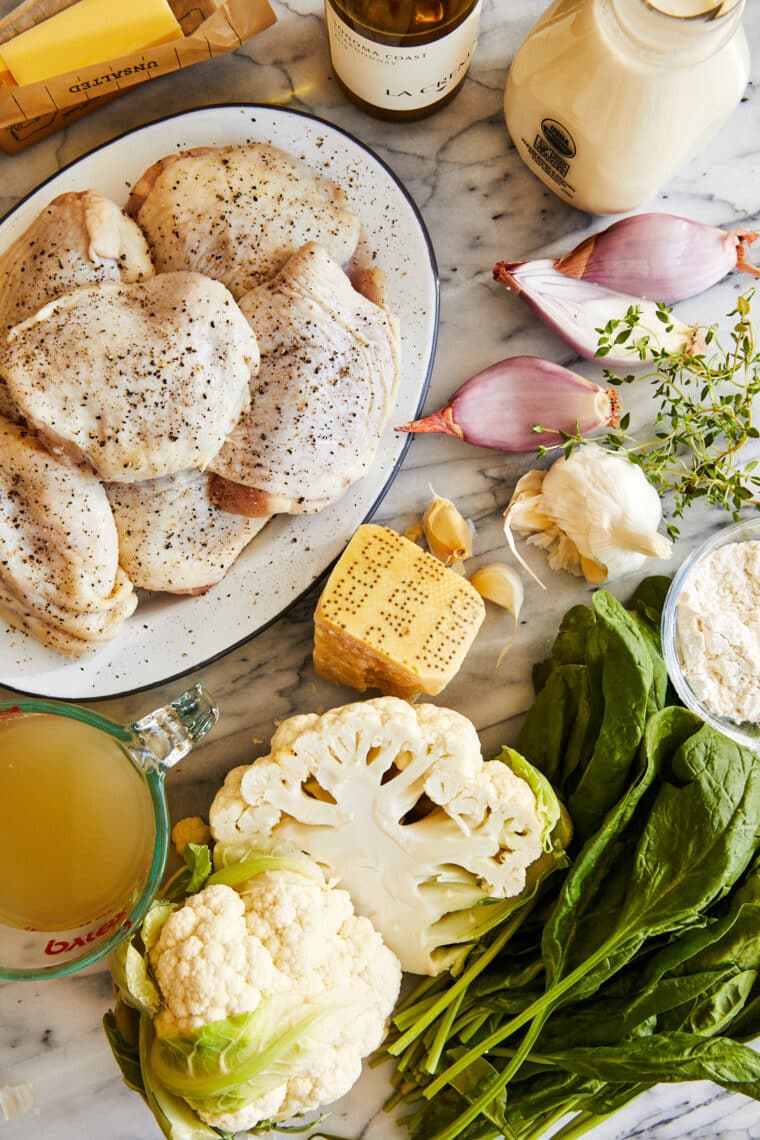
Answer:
(167, 734)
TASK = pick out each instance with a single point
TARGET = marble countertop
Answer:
(480, 205)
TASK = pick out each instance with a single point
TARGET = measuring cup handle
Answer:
(167, 734)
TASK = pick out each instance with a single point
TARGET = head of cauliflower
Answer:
(272, 993)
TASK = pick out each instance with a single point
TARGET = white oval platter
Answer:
(168, 636)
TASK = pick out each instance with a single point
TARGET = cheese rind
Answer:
(88, 32)
(392, 617)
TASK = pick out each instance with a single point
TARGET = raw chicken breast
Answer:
(237, 213)
(143, 380)
(59, 571)
(327, 381)
(172, 537)
(79, 239)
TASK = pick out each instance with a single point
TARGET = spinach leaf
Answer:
(603, 1021)
(670, 1057)
(605, 677)
(538, 1102)
(571, 643)
(648, 600)
(696, 836)
(625, 678)
(557, 735)
(746, 1027)
(722, 1003)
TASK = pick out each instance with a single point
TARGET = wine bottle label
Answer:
(401, 78)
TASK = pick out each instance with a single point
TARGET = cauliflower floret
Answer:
(191, 829)
(398, 806)
(207, 967)
(226, 951)
(300, 927)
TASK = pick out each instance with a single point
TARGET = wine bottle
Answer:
(401, 59)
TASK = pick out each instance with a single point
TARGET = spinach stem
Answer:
(540, 1008)
(462, 984)
(471, 1113)
(432, 1060)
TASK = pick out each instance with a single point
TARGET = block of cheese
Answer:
(394, 618)
(90, 31)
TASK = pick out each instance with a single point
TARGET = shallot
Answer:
(578, 311)
(659, 256)
(501, 406)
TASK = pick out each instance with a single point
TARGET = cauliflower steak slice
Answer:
(399, 807)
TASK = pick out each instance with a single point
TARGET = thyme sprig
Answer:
(704, 417)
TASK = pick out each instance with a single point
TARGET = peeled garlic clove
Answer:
(577, 309)
(448, 534)
(500, 406)
(659, 256)
(503, 586)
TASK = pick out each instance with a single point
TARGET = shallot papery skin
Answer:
(577, 310)
(659, 256)
(500, 406)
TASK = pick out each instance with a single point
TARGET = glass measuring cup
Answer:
(87, 826)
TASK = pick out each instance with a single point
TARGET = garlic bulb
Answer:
(595, 514)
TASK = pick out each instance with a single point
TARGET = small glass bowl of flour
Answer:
(711, 632)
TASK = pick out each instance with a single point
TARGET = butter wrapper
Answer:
(210, 28)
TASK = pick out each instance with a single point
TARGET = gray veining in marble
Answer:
(481, 205)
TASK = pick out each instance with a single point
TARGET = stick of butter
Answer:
(5, 76)
(90, 31)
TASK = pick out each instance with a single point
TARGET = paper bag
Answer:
(211, 27)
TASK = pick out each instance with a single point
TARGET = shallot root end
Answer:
(441, 421)
(502, 272)
(741, 254)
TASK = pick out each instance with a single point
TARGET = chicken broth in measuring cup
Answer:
(79, 824)
(86, 826)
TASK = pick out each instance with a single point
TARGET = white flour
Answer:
(718, 631)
